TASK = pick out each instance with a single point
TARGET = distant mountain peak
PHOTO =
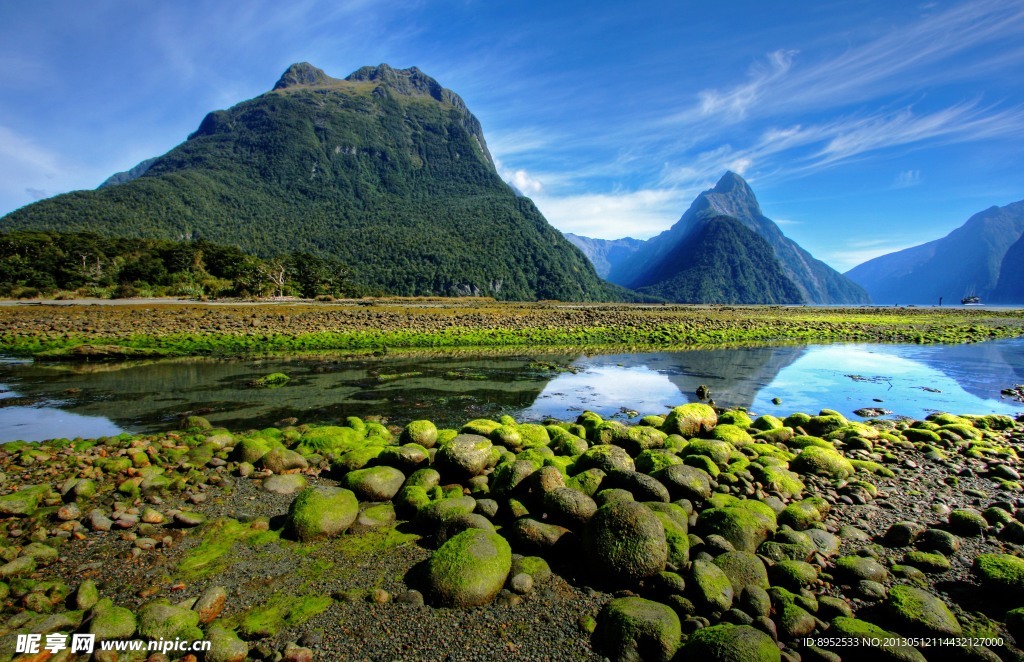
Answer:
(732, 196)
(410, 82)
(731, 182)
(303, 74)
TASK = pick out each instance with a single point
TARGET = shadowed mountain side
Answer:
(969, 260)
(1010, 288)
(385, 170)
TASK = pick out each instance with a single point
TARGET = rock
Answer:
(795, 621)
(625, 542)
(861, 567)
(530, 535)
(451, 526)
(423, 433)
(294, 653)
(23, 565)
(917, 612)
(110, 622)
(633, 628)
(684, 482)
(641, 486)
(876, 643)
(160, 620)
(746, 524)
(822, 462)
(1001, 573)
(569, 507)
(381, 514)
(470, 569)
(902, 534)
(430, 516)
(284, 483)
(465, 456)
(967, 522)
(743, 569)
(152, 516)
(869, 590)
(521, 583)
(709, 586)
(1015, 623)
(188, 519)
(87, 595)
(99, 522)
(730, 643)
(605, 457)
(69, 512)
(927, 561)
(210, 604)
(690, 420)
(23, 502)
(794, 574)
(375, 483)
(44, 555)
(322, 512)
(225, 645)
(804, 514)
(280, 460)
(534, 566)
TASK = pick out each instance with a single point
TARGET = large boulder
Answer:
(625, 542)
(605, 457)
(690, 420)
(469, 569)
(375, 483)
(917, 612)
(746, 524)
(730, 643)
(322, 512)
(685, 482)
(633, 628)
(465, 456)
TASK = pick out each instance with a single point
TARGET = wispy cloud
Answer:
(907, 179)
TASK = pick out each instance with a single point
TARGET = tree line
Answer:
(34, 263)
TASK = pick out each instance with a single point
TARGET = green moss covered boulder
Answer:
(730, 643)
(375, 483)
(1002, 573)
(605, 457)
(875, 643)
(470, 569)
(690, 420)
(633, 628)
(625, 542)
(746, 524)
(322, 512)
(820, 461)
(685, 482)
(465, 456)
(420, 432)
(914, 611)
(161, 620)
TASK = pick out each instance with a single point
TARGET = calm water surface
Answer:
(40, 401)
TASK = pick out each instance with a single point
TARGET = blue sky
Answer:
(863, 127)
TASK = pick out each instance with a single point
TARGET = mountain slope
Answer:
(816, 281)
(1010, 288)
(722, 261)
(385, 170)
(969, 260)
(605, 254)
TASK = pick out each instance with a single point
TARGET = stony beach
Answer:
(702, 534)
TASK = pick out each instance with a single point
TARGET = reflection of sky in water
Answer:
(51, 423)
(605, 388)
(820, 378)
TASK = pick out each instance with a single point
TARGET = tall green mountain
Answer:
(814, 281)
(385, 170)
(969, 260)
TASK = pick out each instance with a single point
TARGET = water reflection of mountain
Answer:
(152, 396)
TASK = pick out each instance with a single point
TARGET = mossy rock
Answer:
(802, 441)
(923, 436)
(225, 645)
(161, 620)
(745, 524)
(420, 432)
(737, 417)
(709, 586)
(569, 507)
(690, 420)
(931, 562)
(733, 434)
(967, 522)
(375, 483)
(650, 461)
(625, 542)
(1002, 573)
(588, 482)
(605, 457)
(685, 482)
(322, 512)
(824, 423)
(730, 643)
(802, 515)
(704, 463)
(470, 569)
(861, 568)
(479, 426)
(633, 628)
(794, 574)
(822, 462)
(716, 450)
(917, 612)
(465, 456)
(533, 435)
(24, 502)
(430, 516)
(766, 422)
(110, 622)
(875, 643)
(743, 569)
(640, 485)
(640, 438)
(675, 536)
(776, 478)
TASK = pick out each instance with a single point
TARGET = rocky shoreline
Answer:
(702, 534)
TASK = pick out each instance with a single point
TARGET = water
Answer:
(39, 401)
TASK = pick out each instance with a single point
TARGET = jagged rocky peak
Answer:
(410, 82)
(302, 73)
(732, 196)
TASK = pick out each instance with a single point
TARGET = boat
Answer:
(972, 300)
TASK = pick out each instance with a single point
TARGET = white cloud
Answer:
(734, 103)
(639, 214)
(907, 178)
(858, 252)
(522, 181)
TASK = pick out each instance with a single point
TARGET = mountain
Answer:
(815, 281)
(721, 261)
(969, 260)
(1010, 287)
(385, 170)
(128, 175)
(605, 254)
